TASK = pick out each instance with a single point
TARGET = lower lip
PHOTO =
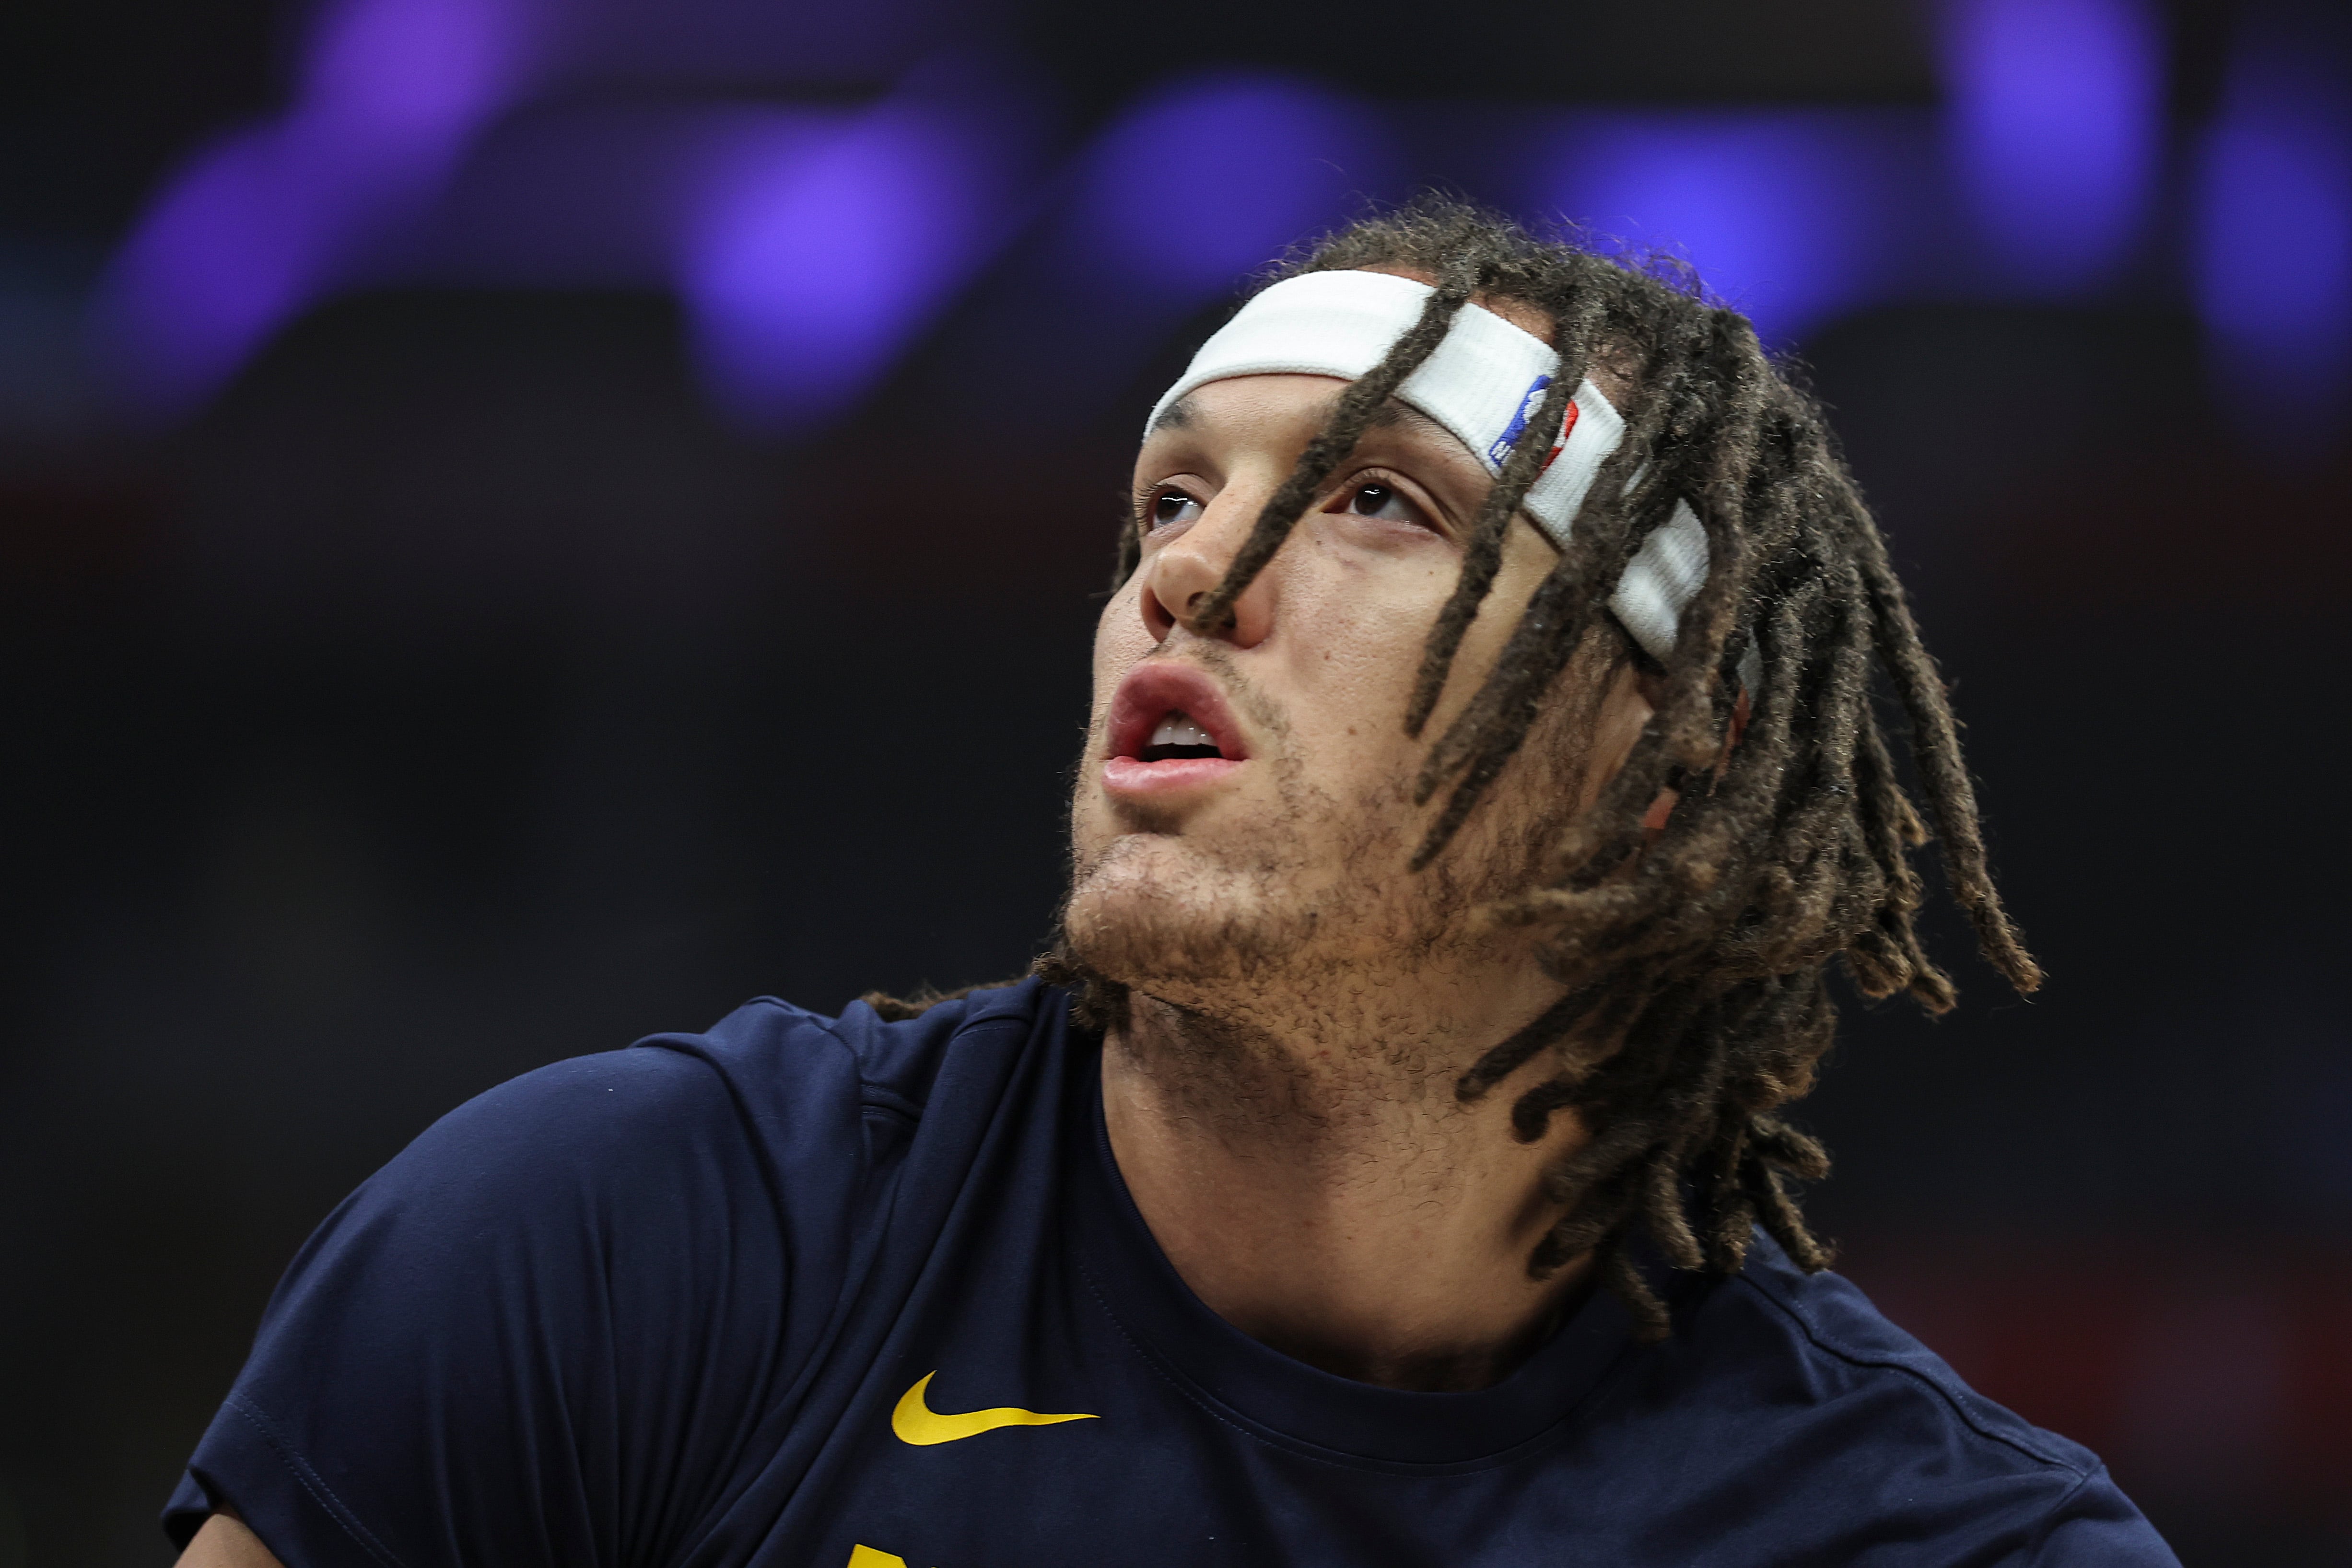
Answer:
(1133, 775)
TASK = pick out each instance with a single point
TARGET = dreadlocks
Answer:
(1696, 959)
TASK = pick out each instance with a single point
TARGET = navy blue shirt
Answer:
(718, 1300)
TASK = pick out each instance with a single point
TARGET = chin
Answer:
(1149, 913)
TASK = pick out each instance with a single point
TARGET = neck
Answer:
(1323, 1191)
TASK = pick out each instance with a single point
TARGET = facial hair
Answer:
(1289, 912)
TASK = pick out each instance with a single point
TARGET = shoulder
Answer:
(772, 1043)
(800, 1080)
(772, 1076)
(1822, 1327)
(904, 1061)
(1803, 1390)
(764, 1130)
(626, 1260)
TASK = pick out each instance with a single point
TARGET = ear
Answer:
(1654, 821)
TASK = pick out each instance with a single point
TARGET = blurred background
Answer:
(523, 525)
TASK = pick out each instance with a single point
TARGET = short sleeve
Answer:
(543, 1334)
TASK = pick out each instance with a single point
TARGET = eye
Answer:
(1384, 502)
(1169, 507)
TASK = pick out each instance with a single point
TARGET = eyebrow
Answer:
(1394, 414)
(1176, 416)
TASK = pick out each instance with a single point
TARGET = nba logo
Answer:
(1529, 401)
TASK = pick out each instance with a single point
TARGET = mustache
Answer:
(1218, 659)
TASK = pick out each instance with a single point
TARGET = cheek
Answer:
(1121, 640)
(1371, 620)
(1528, 560)
(1355, 658)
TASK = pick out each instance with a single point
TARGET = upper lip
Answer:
(1155, 688)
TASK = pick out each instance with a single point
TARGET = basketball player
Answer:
(1388, 1163)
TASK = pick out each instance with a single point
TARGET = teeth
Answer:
(1177, 730)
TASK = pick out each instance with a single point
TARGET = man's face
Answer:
(1244, 814)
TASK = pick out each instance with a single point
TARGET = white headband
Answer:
(1483, 383)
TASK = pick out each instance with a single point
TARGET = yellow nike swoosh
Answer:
(917, 1423)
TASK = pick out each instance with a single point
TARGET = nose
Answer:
(1184, 571)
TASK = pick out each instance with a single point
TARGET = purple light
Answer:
(2057, 125)
(412, 71)
(819, 248)
(229, 252)
(1215, 176)
(2273, 240)
(1782, 212)
(258, 225)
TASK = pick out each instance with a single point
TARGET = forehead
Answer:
(1239, 403)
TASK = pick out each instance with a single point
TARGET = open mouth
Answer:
(1178, 737)
(1169, 730)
